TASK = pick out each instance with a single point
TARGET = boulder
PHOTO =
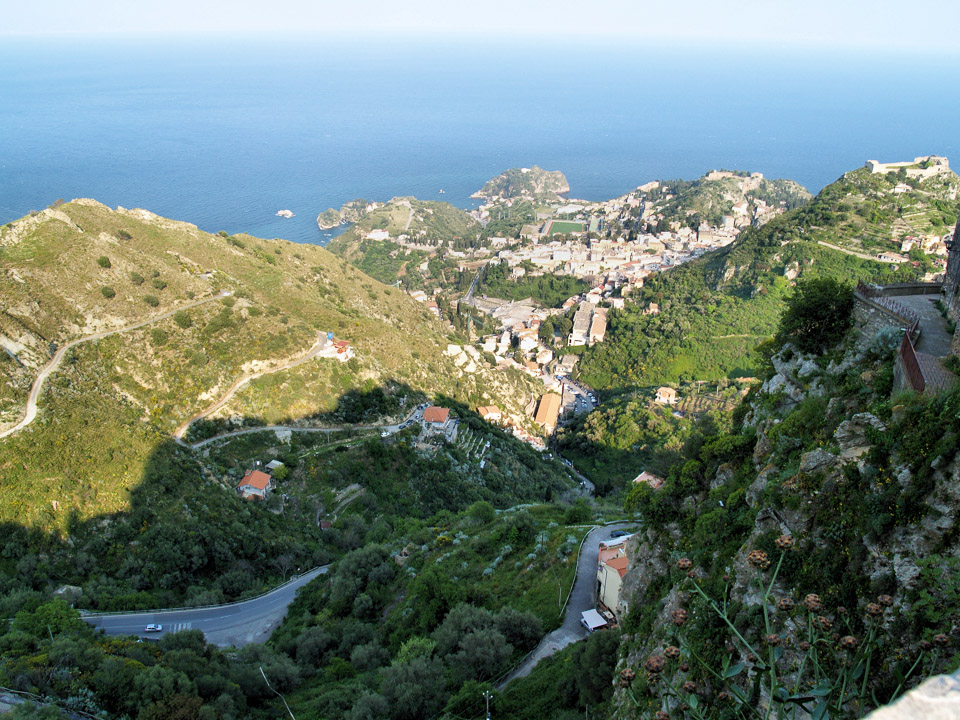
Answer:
(758, 485)
(807, 368)
(852, 434)
(723, 476)
(815, 460)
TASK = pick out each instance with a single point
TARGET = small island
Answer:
(285, 213)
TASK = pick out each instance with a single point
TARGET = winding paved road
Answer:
(581, 599)
(31, 410)
(233, 624)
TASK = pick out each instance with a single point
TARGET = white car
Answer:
(154, 628)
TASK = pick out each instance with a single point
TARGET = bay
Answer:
(225, 131)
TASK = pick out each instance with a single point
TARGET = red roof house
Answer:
(434, 414)
(255, 484)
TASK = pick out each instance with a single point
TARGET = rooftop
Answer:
(434, 414)
(255, 478)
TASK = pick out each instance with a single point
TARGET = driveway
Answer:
(581, 599)
(233, 624)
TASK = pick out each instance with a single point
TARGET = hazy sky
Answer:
(890, 24)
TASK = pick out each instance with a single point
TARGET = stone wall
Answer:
(950, 293)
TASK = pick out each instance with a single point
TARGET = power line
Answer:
(292, 717)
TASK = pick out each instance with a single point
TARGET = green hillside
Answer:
(418, 230)
(712, 196)
(715, 310)
(536, 184)
(113, 401)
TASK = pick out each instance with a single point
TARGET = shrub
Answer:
(124, 235)
(108, 292)
(151, 300)
(103, 261)
(818, 314)
(182, 319)
(158, 336)
(159, 284)
(136, 278)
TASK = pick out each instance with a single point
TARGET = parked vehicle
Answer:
(154, 628)
(619, 534)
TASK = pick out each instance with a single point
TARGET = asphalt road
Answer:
(234, 624)
(581, 599)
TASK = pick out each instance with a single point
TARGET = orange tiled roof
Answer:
(609, 553)
(255, 478)
(434, 414)
(619, 564)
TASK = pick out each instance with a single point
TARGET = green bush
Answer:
(818, 314)
(108, 292)
(103, 261)
(159, 284)
(182, 319)
(136, 278)
(158, 336)
(151, 300)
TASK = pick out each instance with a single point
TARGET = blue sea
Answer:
(225, 131)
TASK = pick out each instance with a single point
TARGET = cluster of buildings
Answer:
(618, 262)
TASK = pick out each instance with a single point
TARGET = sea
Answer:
(224, 131)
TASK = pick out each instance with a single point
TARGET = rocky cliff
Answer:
(806, 563)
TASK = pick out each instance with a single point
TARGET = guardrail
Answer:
(293, 579)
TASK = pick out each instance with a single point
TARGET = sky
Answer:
(917, 25)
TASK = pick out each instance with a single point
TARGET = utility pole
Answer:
(487, 696)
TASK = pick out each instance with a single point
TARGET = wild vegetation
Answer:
(103, 413)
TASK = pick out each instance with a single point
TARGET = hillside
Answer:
(534, 184)
(83, 268)
(715, 195)
(715, 310)
(391, 241)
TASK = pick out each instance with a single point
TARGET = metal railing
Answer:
(911, 366)
(874, 295)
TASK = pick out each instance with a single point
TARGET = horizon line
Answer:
(705, 40)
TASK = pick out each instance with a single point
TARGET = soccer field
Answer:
(561, 227)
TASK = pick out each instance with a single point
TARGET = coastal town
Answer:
(606, 249)
(612, 246)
